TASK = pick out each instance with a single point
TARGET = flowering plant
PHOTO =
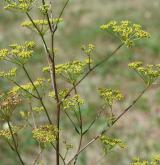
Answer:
(67, 100)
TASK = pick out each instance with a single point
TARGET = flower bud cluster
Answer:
(19, 5)
(110, 95)
(41, 24)
(70, 71)
(8, 103)
(71, 103)
(110, 143)
(126, 31)
(148, 73)
(18, 52)
(29, 87)
(5, 133)
(45, 134)
(155, 160)
(10, 74)
(62, 93)
(88, 49)
(44, 9)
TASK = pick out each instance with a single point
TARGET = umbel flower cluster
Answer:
(28, 87)
(69, 103)
(62, 93)
(126, 31)
(8, 103)
(6, 134)
(10, 74)
(110, 143)
(154, 161)
(41, 24)
(148, 73)
(19, 5)
(70, 71)
(72, 102)
(38, 109)
(110, 95)
(88, 49)
(18, 53)
(44, 8)
(45, 134)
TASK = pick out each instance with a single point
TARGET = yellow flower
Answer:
(135, 65)
(23, 51)
(45, 134)
(126, 31)
(40, 23)
(110, 143)
(3, 53)
(19, 5)
(71, 70)
(148, 73)
(71, 103)
(8, 103)
(137, 161)
(10, 74)
(38, 109)
(5, 133)
(29, 87)
(88, 49)
(44, 9)
(110, 95)
(62, 93)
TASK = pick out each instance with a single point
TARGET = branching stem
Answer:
(105, 130)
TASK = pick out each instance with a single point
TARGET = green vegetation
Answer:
(78, 66)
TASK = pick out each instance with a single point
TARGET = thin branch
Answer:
(14, 143)
(49, 57)
(60, 15)
(33, 118)
(81, 127)
(37, 157)
(72, 121)
(91, 124)
(79, 110)
(35, 126)
(41, 35)
(10, 145)
(79, 147)
(63, 159)
(58, 106)
(24, 89)
(129, 107)
(47, 15)
(40, 98)
(90, 142)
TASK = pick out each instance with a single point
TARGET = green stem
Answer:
(81, 127)
(40, 98)
(14, 143)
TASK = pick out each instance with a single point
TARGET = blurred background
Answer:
(139, 129)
